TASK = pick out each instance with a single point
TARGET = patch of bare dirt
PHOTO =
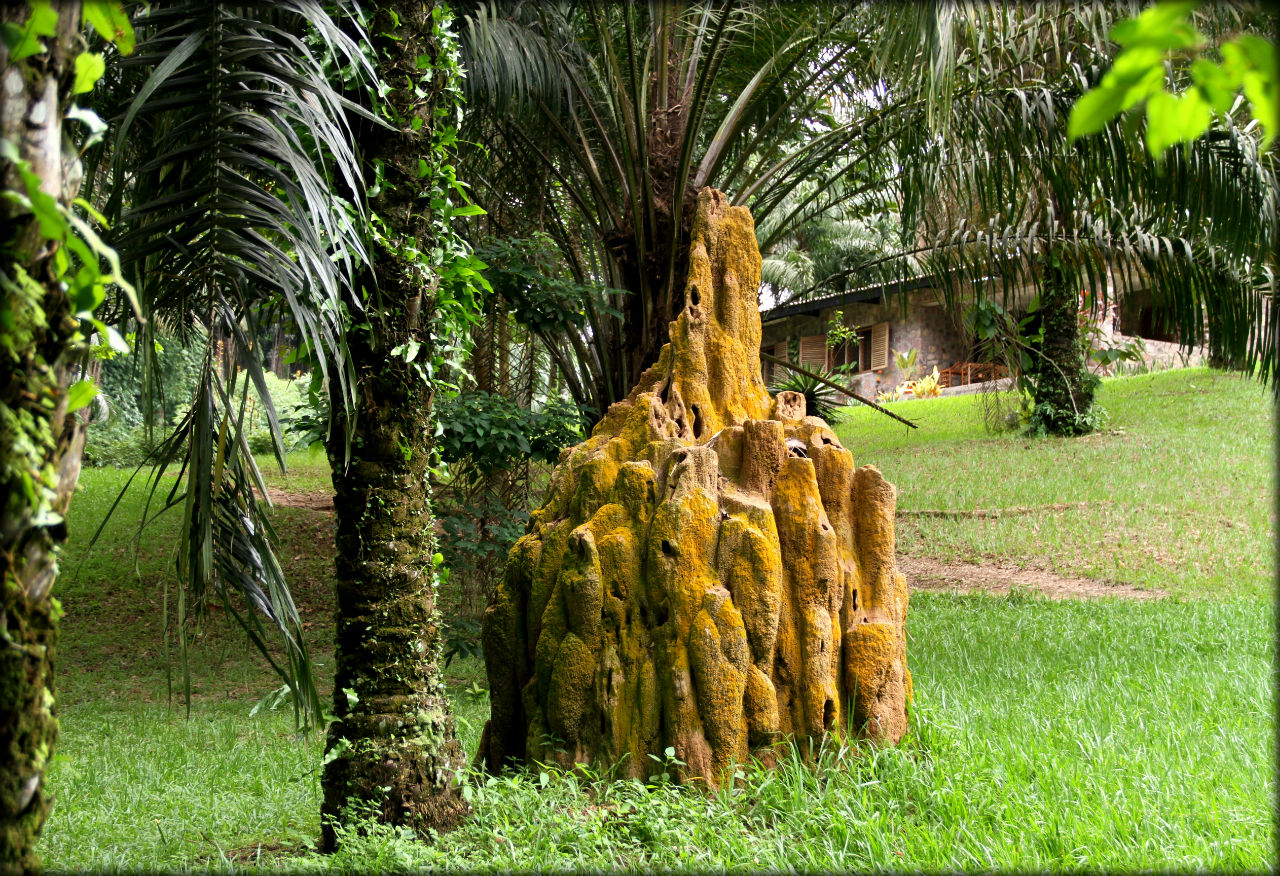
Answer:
(996, 579)
(319, 500)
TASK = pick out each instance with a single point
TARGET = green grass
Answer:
(1089, 735)
(1044, 735)
(1177, 492)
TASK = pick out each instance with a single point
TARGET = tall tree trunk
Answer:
(392, 747)
(39, 445)
(1064, 388)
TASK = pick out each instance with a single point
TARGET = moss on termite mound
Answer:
(709, 571)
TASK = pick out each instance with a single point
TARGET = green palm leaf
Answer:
(231, 146)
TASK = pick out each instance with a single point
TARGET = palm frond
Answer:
(228, 156)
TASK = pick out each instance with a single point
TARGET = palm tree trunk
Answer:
(1064, 389)
(392, 748)
(40, 445)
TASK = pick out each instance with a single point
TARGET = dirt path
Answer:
(314, 501)
(997, 579)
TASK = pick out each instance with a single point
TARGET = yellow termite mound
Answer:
(709, 572)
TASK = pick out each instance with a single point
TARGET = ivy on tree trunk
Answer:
(40, 445)
(1064, 388)
(392, 752)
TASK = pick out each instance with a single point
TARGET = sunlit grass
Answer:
(1044, 735)
(1177, 492)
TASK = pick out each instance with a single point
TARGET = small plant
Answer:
(907, 362)
(461, 639)
(821, 399)
(839, 334)
(926, 387)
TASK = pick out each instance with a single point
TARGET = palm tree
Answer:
(392, 746)
(238, 179)
(601, 122)
(1002, 197)
(219, 185)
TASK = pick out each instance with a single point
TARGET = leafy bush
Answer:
(178, 367)
(120, 445)
(490, 430)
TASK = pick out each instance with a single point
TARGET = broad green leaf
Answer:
(1162, 26)
(1092, 111)
(23, 41)
(1150, 84)
(1260, 53)
(1262, 94)
(469, 210)
(1133, 65)
(53, 224)
(1172, 120)
(89, 69)
(111, 22)
(1217, 87)
(80, 394)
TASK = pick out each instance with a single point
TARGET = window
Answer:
(871, 353)
(768, 370)
(813, 352)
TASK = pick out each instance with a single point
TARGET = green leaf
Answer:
(1216, 85)
(1260, 53)
(80, 394)
(114, 340)
(92, 211)
(1262, 95)
(470, 210)
(89, 69)
(1162, 26)
(111, 22)
(24, 41)
(1092, 112)
(1172, 120)
(53, 224)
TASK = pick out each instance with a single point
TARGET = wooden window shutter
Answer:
(813, 352)
(879, 346)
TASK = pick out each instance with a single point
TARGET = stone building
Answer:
(911, 315)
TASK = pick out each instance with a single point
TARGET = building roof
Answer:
(865, 295)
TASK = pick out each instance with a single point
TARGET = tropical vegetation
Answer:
(488, 206)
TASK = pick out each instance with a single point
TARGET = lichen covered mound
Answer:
(709, 571)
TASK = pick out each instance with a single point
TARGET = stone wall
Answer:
(924, 325)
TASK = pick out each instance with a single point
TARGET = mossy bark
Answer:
(40, 445)
(1064, 388)
(709, 573)
(391, 751)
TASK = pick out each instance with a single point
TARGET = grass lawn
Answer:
(1176, 492)
(1107, 734)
